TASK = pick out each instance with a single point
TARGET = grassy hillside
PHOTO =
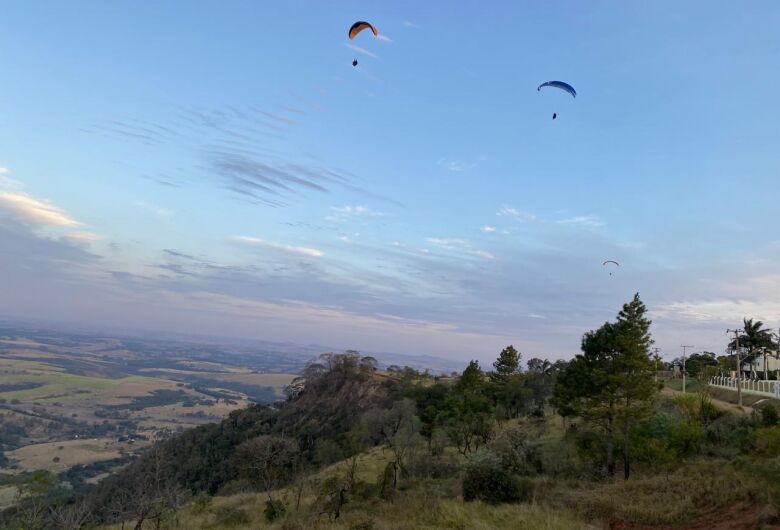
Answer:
(357, 449)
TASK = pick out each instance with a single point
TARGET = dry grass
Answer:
(677, 497)
(40, 456)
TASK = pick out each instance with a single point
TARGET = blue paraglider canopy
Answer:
(560, 84)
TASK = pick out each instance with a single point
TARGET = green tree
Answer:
(471, 380)
(633, 374)
(507, 364)
(470, 421)
(435, 404)
(696, 364)
(611, 382)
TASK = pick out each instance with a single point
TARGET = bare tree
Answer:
(70, 516)
(267, 461)
(399, 429)
(154, 495)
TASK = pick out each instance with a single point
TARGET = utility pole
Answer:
(684, 347)
(656, 358)
(737, 333)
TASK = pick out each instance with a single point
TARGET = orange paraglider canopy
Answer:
(359, 26)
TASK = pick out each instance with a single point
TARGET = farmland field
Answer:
(78, 406)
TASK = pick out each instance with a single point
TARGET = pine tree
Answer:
(507, 364)
(611, 382)
(633, 370)
(471, 380)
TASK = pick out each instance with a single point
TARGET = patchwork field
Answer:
(79, 406)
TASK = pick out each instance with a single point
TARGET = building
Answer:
(754, 368)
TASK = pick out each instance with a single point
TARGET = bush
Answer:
(769, 415)
(201, 502)
(274, 510)
(487, 481)
(766, 441)
(591, 448)
(730, 435)
(685, 438)
(516, 452)
(230, 516)
(426, 466)
(364, 490)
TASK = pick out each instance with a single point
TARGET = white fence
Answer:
(749, 386)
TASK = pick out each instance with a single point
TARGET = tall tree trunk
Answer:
(610, 448)
(626, 447)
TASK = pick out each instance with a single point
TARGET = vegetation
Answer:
(554, 445)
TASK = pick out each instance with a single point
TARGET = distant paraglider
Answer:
(566, 87)
(610, 261)
(356, 28)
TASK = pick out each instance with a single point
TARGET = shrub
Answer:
(230, 516)
(685, 438)
(426, 466)
(729, 435)
(364, 490)
(515, 451)
(766, 441)
(274, 509)
(487, 481)
(201, 502)
(591, 447)
(769, 415)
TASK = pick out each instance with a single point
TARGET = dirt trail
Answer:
(731, 407)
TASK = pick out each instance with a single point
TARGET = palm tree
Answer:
(754, 338)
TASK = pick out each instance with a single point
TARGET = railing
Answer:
(749, 386)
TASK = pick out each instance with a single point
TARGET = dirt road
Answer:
(731, 407)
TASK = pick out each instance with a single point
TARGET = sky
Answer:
(220, 168)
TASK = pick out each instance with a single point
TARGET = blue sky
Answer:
(221, 168)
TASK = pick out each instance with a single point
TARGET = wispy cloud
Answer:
(301, 251)
(361, 50)
(82, 237)
(459, 245)
(724, 311)
(159, 212)
(384, 38)
(35, 211)
(587, 221)
(458, 166)
(343, 212)
(484, 254)
(348, 238)
(514, 213)
(268, 183)
(487, 229)
(411, 25)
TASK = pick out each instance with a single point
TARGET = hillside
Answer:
(364, 457)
